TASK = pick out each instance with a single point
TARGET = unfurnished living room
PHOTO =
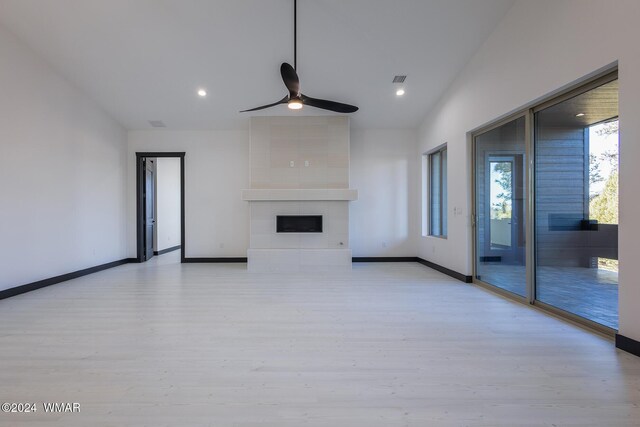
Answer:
(319, 213)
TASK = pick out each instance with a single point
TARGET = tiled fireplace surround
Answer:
(299, 166)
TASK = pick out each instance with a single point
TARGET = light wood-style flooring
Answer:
(387, 344)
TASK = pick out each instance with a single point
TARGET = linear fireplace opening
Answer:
(299, 224)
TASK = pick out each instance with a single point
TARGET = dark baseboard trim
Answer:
(445, 270)
(384, 259)
(448, 272)
(215, 260)
(164, 251)
(628, 344)
(62, 278)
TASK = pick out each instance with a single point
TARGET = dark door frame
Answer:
(140, 156)
(149, 195)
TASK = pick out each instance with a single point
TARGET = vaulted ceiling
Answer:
(144, 60)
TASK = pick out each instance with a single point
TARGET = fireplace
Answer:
(299, 224)
(299, 194)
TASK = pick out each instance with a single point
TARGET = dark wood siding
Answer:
(561, 196)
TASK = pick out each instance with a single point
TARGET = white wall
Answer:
(539, 48)
(386, 172)
(62, 173)
(216, 170)
(318, 146)
(167, 202)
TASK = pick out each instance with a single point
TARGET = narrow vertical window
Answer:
(438, 193)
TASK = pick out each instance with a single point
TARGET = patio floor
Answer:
(591, 293)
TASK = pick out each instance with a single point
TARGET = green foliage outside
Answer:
(604, 206)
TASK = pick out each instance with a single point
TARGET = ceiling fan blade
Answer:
(328, 105)
(290, 79)
(282, 101)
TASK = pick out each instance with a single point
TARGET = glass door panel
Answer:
(436, 197)
(576, 205)
(500, 207)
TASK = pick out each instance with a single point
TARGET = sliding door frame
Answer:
(591, 84)
(606, 76)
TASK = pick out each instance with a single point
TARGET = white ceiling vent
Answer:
(157, 123)
(399, 79)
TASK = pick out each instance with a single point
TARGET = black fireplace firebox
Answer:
(299, 224)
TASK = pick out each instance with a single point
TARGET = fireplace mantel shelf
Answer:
(299, 194)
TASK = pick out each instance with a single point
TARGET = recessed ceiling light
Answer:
(202, 93)
(579, 114)
(400, 92)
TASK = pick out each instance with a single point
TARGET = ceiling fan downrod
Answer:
(295, 35)
(295, 99)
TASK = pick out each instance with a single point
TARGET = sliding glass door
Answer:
(576, 205)
(546, 205)
(500, 207)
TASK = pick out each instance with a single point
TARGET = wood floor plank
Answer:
(386, 344)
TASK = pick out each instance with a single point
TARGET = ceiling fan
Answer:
(296, 99)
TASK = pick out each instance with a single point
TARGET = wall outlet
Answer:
(292, 164)
(306, 163)
(221, 245)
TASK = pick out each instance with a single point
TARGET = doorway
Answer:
(149, 196)
(158, 236)
(505, 204)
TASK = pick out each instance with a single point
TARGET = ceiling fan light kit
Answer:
(295, 100)
(295, 104)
